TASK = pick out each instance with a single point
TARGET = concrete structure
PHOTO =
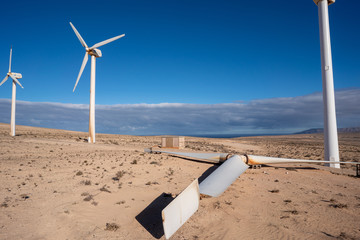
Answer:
(177, 142)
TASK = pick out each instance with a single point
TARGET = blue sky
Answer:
(188, 52)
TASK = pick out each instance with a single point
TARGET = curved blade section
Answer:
(218, 181)
(86, 57)
(107, 41)
(211, 157)
(10, 60)
(14, 78)
(256, 160)
(79, 36)
(4, 80)
(181, 209)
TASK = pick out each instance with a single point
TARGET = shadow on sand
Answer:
(150, 218)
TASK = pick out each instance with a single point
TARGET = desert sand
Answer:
(55, 185)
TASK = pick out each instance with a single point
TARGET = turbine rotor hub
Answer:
(95, 52)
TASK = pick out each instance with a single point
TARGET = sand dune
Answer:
(54, 185)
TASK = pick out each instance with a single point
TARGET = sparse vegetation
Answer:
(88, 198)
(104, 189)
(216, 205)
(338, 205)
(86, 182)
(150, 183)
(170, 172)
(111, 227)
(274, 191)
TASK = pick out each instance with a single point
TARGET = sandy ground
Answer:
(55, 185)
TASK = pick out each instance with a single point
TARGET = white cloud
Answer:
(276, 115)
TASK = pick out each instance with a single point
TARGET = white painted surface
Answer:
(92, 102)
(181, 209)
(331, 145)
(219, 180)
(13, 105)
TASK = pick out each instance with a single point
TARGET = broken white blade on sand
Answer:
(181, 209)
(219, 180)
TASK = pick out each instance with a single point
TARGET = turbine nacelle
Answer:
(12, 75)
(94, 52)
(16, 75)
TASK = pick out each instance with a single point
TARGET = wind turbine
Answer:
(15, 77)
(331, 145)
(94, 53)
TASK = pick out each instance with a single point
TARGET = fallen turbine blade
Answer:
(181, 209)
(79, 36)
(81, 69)
(211, 157)
(17, 81)
(4, 80)
(10, 60)
(107, 41)
(219, 180)
(257, 160)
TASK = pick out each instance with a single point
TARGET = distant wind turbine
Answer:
(15, 77)
(94, 53)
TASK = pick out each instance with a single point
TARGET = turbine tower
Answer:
(94, 53)
(331, 145)
(15, 77)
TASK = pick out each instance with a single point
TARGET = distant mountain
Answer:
(321, 130)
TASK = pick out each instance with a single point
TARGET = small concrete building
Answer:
(177, 142)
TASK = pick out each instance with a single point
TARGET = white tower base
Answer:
(331, 145)
(92, 101)
(13, 105)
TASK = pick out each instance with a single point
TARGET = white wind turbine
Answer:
(15, 77)
(94, 53)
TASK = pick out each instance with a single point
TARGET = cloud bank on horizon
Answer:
(263, 116)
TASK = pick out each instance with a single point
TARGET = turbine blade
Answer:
(81, 69)
(107, 41)
(219, 180)
(210, 157)
(14, 78)
(181, 209)
(4, 80)
(10, 59)
(79, 36)
(257, 160)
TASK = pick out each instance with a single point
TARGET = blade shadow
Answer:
(150, 218)
(289, 168)
(195, 160)
(207, 173)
